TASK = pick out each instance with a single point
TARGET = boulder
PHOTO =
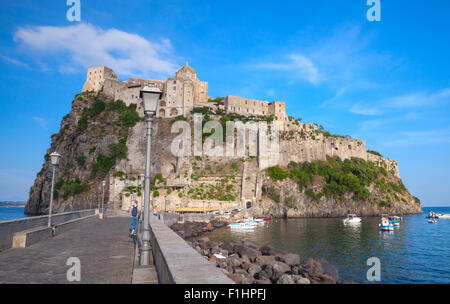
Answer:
(253, 270)
(292, 279)
(313, 268)
(228, 246)
(236, 277)
(302, 280)
(291, 259)
(265, 260)
(248, 251)
(212, 258)
(263, 281)
(286, 279)
(235, 261)
(279, 268)
(270, 250)
(329, 269)
(263, 275)
(246, 265)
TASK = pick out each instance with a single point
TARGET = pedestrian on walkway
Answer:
(134, 211)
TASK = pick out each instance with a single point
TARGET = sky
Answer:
(386, 82)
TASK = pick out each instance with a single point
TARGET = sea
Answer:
(11, 211)
(415, 252)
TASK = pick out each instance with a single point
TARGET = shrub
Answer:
(179, 117)
(276, 173)
(81, 160)
(75, 187)
(271, 192)
(155, 193)
(313, 195)
(118, 173)
(374, 153)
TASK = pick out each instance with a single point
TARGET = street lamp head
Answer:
(54, 157)
(103, 183)
(150, 95)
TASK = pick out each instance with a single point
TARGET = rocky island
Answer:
(318, 174)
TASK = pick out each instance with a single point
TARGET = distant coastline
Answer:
(7, 204)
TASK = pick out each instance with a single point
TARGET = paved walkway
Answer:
(105, 251)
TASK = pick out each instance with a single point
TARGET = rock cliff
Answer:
(322, 174)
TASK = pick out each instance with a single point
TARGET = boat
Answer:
(241, 226)
(386, 225)
(351, 219)
(252, 221)
(432, 221)
(434, 215)
(268, 219)
(395, 220)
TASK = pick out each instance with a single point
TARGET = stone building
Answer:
(180, 94)
(96, 77)
(247, 106)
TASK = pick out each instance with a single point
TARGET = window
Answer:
(174, 82)
(174, 88)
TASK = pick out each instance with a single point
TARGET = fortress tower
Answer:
(180, 93)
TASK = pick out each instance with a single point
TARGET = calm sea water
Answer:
(416, 252)
(9, 213)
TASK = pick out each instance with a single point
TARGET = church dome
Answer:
(187, 72)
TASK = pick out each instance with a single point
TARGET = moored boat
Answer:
(395, 220)
(242, 226)
(386, 225)
(351, 219)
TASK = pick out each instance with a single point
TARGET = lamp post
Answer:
(150, 96)
(103, 195)
(142, 176)
(54, 157)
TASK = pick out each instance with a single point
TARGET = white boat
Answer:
(351, 219)
(386, 225)
(432, 221)
(395, 220)
(252, 221)
(242, 226)
(443, 216)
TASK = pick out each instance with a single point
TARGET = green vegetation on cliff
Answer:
(337, 178)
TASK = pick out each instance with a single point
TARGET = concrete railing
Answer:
(8, 228)
(178, 263)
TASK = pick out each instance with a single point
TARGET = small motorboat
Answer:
(386, 225)
(443, 216)
(242, 226)
(395, 220)
(432, 221)
(268, 219)
(351, 219)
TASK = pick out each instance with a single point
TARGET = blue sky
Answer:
(385, 82)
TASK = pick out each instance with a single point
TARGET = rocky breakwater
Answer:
(245, 263)
(188, 230)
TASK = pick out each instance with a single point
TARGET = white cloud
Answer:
(364, 110)
(40, 121)
(84, 45)
(419, 99)
(300, 65)
(14, 61)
